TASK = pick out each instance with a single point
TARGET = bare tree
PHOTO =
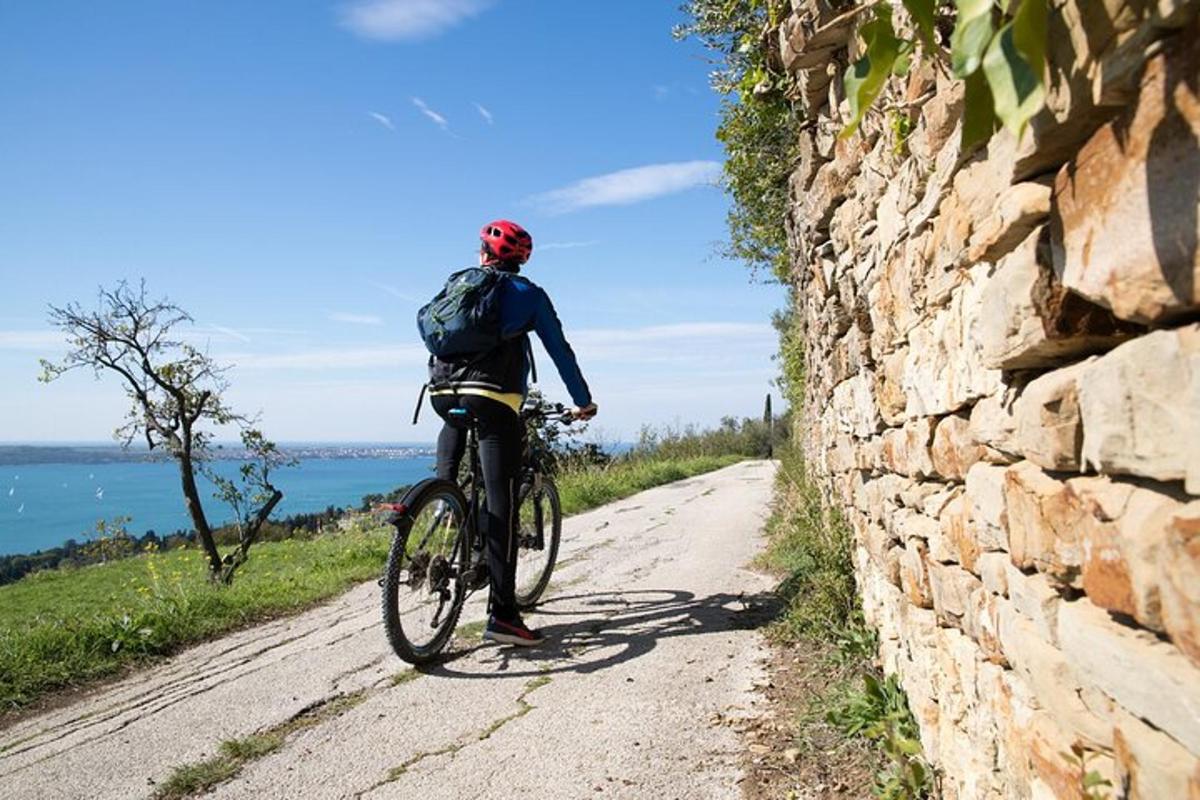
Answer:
(175, 394)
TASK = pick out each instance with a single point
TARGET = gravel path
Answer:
(653, 655)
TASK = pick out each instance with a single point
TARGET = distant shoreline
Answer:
(14, 455)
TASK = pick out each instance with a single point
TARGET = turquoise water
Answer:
(43, 505)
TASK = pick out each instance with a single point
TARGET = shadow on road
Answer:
(610, 628)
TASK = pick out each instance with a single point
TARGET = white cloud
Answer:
(231, 333)
(661, 92)
(437, 118)
(382, 119)
(384, 358)
(628, 186)
(394, 292)
(684, 347)
(355, 319)
(690, 331)
(564, 245)
(483, 112)
(406, 20)
(32, 340)
(670, 374)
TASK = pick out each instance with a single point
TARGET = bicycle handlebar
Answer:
(553, 411)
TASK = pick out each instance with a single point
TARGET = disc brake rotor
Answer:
(439, 574)
(418, 569)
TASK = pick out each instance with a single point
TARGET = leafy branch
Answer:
(997, 47)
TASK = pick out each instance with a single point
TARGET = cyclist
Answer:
(492, 388)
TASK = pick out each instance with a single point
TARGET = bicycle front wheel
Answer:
(539, 514)
(422, 593)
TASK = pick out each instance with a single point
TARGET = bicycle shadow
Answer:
(611, 628)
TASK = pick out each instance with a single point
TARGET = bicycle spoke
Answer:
(425, 591)
(539, 518)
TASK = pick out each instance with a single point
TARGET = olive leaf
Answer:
(972, 32)
(1029, 34)
(1016, 89)
(979, 115)
(922, 13)
(865, 78)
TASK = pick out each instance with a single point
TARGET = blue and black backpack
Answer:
(463, 320)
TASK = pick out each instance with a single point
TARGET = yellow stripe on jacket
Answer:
(511, 399)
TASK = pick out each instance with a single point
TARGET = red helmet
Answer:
(507, 241)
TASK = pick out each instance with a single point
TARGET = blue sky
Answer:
(301, 175)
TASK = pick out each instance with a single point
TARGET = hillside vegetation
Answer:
(67, 627)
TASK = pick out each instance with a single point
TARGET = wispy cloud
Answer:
(690, 331)
(407, 20)
(660, 91)
(32, 340)
(231, 333)
(355, 319)
(674, 348)
(564, 245)
(206, 334)
(382, 119)
(332, 358)
(483, 112)
(437, 118)
(628, 186)
(394, 292)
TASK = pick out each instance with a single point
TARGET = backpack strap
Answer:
(421, 396)
(420, 400)
(529, 354)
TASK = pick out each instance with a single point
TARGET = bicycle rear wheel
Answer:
(422, 593)
(539, 514)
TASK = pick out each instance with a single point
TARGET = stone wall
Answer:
(1003, 393)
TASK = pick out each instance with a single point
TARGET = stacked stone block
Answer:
(1003, 394)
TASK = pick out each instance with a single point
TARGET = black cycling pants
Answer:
(500, 443)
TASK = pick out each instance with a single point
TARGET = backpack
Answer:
(463, 319)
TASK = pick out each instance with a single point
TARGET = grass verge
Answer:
(810, 548)
(586, 488)
(68, 627)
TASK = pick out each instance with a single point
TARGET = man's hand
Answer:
(585, 413)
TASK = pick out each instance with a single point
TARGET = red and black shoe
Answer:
(511, 630)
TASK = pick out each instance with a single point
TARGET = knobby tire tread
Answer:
(416, 498)
(529, 600)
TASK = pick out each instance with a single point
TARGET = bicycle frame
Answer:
(532, 471)
(473, 541)
(448, 578)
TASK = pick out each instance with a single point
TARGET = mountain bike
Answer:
(437, 558)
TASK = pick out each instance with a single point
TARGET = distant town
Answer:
(20, 454)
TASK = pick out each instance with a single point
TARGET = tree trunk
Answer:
(249, 534)
(191, 497)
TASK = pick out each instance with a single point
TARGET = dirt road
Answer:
(654, 650)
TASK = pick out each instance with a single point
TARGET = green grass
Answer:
(233, 754)
(810, 549)
(405, 676)
(471, 631)
(581, 490)
(68, 627)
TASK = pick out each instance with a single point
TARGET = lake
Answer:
(44, 504)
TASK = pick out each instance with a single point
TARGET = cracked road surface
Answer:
(653, 656)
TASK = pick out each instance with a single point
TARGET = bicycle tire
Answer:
(552, 535)
(420, 501)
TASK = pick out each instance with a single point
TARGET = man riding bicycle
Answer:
(491, 387)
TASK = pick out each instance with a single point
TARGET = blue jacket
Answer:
(524, 307)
